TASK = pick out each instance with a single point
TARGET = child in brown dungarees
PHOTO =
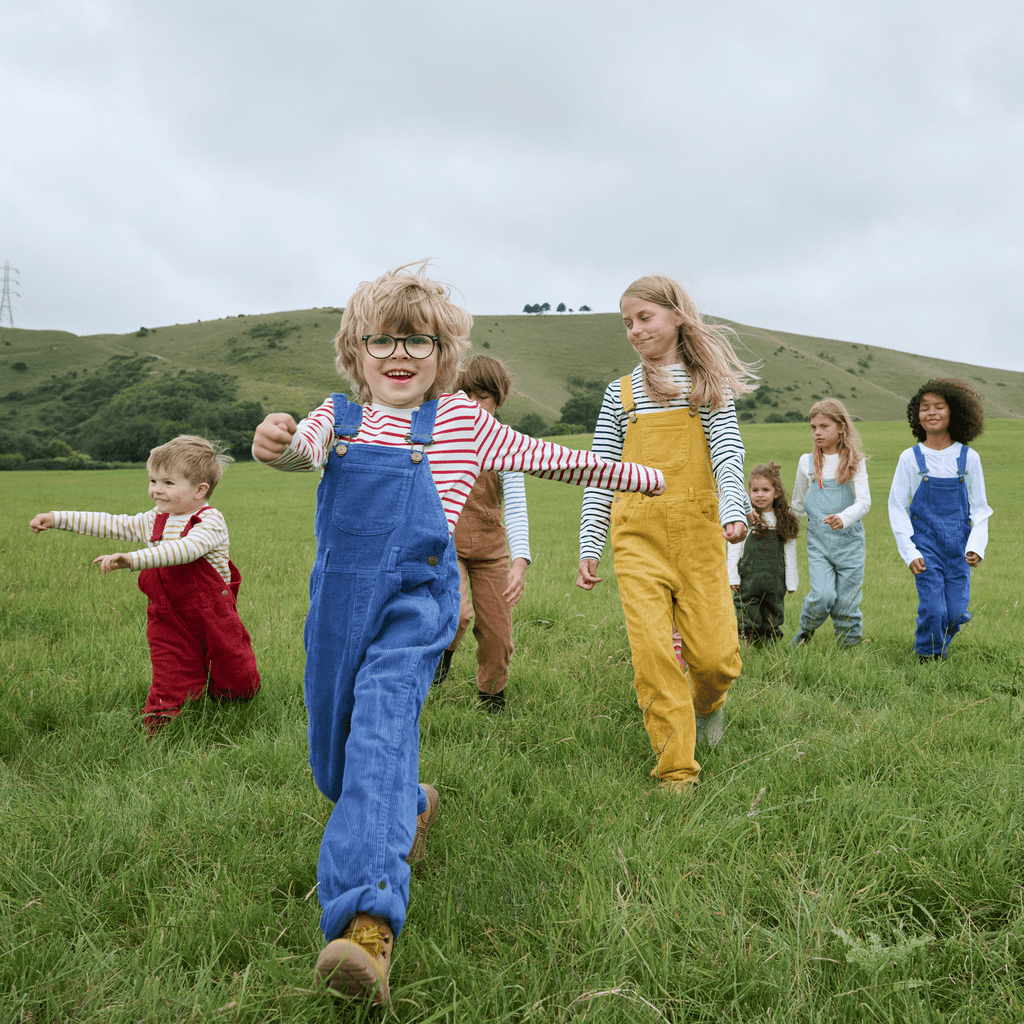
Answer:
(482, 542)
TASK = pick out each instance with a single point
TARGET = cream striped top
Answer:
(208, 539)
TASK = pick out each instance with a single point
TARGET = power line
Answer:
(5, 301)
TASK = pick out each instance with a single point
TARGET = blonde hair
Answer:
(716, 372)
(199, 461)
(851, 448)
(403, 302)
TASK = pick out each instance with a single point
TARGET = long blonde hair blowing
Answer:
(716, 372)
(851, 448)
(400, 302)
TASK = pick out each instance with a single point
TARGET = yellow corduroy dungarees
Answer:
(670, 565)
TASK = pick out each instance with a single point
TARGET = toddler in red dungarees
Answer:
(195, 635)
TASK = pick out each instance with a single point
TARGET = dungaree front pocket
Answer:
(368, 504)
(656, 440)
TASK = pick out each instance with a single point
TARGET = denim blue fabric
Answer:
(384, 604)
(940, 514)
(835, 563)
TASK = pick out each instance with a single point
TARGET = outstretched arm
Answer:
(43, 521)
(273, 436)
(108, 563)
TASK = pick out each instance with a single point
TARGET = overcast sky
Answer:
(849, 169)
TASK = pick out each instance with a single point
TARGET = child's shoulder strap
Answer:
(961, 462)
(196, 518)
(919, 455)
(626, 393)
(347, 415)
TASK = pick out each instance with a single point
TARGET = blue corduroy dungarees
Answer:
(940, 515)
(835, 563)
(384, 604)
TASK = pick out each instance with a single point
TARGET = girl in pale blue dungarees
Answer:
(831, 489)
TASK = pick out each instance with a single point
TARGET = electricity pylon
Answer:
(5, 301)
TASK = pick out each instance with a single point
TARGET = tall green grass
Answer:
(854, 852)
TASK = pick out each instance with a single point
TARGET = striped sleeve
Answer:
(310, 443)
(609, 437)
(137, 528)
(517, 524)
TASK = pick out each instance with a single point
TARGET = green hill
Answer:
(284, 361)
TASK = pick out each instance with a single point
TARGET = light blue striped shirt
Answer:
(517, 525)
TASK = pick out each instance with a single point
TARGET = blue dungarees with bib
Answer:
(941, 518)
(835, 562)
(384, 604)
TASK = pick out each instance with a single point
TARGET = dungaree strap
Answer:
(921, 465)
(161, 521)
(197, 517)
(158, 526)
(626, 397)
(421, 429)
(961, 462)
(348, 416)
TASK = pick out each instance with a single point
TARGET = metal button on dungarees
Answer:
(432, 560)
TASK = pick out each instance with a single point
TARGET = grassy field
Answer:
(854, 852)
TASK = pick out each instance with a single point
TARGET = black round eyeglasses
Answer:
(417, 346)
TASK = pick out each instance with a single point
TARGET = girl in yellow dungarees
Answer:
(674, 412)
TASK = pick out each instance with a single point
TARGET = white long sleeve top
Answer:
(467, 440)
(805, 478)
(207, 539)
(734, 553)
(941, 464)
(724, 444)
(517, 522)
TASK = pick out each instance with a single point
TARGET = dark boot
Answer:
(443, 667)
(493, 703)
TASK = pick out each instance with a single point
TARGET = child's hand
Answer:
(660, 489)
(734, 587)
(917, 566)
(834, 521)
(43, 521)
(790, 591)
(273, 436)
(110, 562)
(973, 559)
(587, 578)
(516, 581)
(735, 532)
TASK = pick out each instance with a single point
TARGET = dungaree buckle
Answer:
(417, 447)
(632, 417)
(341, 447)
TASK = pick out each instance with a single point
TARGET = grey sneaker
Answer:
(710, 729)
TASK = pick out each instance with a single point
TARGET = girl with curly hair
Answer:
(831, 489)
(938, 510)
(762, 568)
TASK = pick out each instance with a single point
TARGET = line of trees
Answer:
(544, 307)
(120, 412)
